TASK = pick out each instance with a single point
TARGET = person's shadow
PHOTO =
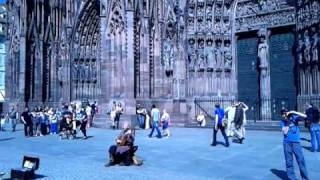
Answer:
(280, 174)
(7, 139)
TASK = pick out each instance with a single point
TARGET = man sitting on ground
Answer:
(123, 153)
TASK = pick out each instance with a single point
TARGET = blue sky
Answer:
(2, 1)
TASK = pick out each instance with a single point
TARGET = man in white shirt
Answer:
(155, 115)
(230, 113)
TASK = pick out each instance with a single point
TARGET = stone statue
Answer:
(202, 61)
(227, 57)
(218, 55)
(300, 50)
(192, 60)
(168, 55)
(314, 48)
(60, 74)
(307, 46)
(81, 70)
(263, 56)
(93, 71)
(76, 71)
(209, 54)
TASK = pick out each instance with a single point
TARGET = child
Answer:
(165, 120)
(53, 122)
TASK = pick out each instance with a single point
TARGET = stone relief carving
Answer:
(308, 15)
(268, 20)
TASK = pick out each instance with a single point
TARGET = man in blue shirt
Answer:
(218, 124)
(155, 114)
(291, 143)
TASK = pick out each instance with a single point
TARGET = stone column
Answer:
(129, 69)
(265, 87)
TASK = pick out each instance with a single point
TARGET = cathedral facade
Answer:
(178, 54)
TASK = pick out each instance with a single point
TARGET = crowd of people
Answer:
(230, 122)
(153, 119)
(42, 121)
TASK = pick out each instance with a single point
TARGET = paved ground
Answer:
(186, 155)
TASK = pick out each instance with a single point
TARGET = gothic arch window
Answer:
(85, 59)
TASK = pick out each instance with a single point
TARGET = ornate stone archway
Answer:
(85, 53)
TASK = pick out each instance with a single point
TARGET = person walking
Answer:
(13, 116)
(291, 143)
(219, 125)
(312, 113)
(83, 119)
(155, 115)
(26, 118)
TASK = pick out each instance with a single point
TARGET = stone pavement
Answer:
(187, 155)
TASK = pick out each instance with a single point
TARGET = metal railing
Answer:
(260, 110)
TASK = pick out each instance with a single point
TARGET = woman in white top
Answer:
(165, 119)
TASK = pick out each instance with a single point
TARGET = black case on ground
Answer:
(29, 165)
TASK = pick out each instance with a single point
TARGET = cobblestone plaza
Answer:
(187, 155)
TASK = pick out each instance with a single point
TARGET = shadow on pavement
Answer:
(304, 139)
(307, 148)
(7, 139)
(280, 174)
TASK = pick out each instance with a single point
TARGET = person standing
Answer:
(13, 116)
(26, 118)
(155, 115)
(83, 120)
(53, 117)
(240, 121)
(291, 143)
(89, 115)
(312, 113)
(219, 115)
(140, 115)
(230, 114)
(118, 111)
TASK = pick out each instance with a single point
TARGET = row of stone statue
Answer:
(308, 15)
(208, 9)
(84, 71)
(207, 25)
(308, 46)
(211, 57)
